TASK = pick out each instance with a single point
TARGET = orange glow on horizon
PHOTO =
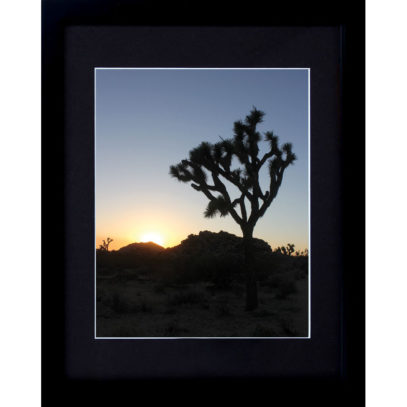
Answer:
(153, 224)
(167, 241)
(154, 237)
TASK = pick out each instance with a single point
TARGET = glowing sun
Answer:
(152, 237)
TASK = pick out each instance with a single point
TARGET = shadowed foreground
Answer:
(197, 289)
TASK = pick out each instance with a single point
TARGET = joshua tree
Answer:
(290, 248)
(209, 166)
(105, 245)
(286, 250)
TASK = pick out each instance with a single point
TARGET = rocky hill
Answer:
(216, 243)
(141, 248)
(206, 250)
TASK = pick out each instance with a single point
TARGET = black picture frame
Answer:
(236, 370)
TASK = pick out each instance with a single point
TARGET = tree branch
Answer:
(216, 159)
(222, 189)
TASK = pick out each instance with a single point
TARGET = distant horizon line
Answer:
(193, 234)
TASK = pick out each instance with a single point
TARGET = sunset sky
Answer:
(149, 119)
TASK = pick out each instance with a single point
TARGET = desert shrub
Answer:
(273, 282)
(160, 289)
(288, 328)
(101, 296)
(119, 304)
(263, 313)
(285, 288)
(303, 264)
(287, 250)
(215, 268)
(144, 307)
(300, 274)
(270, 264)
(223, 309)
(228, 268)
(238, 290)
(223, 279)
(282, 285)
(122, 305)
(127, 274)
(173, 329)
(188, 269)
(103, 259)
(189, 297)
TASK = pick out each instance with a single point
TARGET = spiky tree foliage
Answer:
(287, 250)
(209, 168)
(290, 248)
(105, 245)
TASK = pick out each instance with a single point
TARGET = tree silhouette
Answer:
(290, 248)
(287, 250)
(209, 167)
(105, 245)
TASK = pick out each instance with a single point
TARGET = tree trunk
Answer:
(251, 281)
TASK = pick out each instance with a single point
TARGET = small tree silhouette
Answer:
(105, 245)
(290, 248)
(286, 250)
(215, 161)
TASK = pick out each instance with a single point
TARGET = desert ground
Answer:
(197, 289)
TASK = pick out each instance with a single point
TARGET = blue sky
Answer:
(147, 120)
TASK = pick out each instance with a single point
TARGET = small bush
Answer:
(301, 274)
(288, 328)
(190, 297)
(263, 313)
(238, 290)
(120, 305)
(281, 287)
(223, 309)
(172, 329)
(285, 289)
(220, 270)
(273, 282)
(144, 307)
(159, 289)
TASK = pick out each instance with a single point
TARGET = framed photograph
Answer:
(203, 202)
(178, 264)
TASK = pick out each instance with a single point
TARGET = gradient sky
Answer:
(147, 120)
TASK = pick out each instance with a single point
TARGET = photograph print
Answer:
(202, 210)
